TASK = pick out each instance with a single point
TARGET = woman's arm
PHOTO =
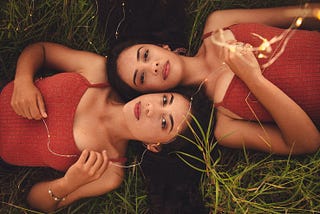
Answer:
(26, 99)
(60, 58)
(90, 168)
(110, 180)
(278, 17)
(294, 130)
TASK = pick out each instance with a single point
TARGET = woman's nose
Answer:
(149, 109)
(155, 68)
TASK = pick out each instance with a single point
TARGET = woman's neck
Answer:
(197, 69)
(114, 115)
(194, 70)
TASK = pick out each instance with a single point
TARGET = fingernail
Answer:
(44, 115)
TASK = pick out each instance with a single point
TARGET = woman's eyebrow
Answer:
(134, 77)
(138, 53)
(171, 99)
(172, 122)
(170, 116)
(136, 71)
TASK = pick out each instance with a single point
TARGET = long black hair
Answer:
(172, 185)
(123, 89)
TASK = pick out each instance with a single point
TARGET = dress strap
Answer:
(121, 160)
(99, 85)
(206, 35)
(218, 104)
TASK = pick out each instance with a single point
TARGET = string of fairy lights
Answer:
(265, 46)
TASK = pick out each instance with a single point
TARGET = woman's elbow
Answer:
(307, 145)
(117, 183)
(313, 143)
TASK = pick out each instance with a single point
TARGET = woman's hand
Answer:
(89, 167)
(240, 58)
(27, 101)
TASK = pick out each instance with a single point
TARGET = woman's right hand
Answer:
(242, 61)
(27, 101)
(89, 167)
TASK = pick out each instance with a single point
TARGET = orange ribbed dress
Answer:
(24, 142)
(296, 72)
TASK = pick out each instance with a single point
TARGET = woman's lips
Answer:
(166, 70)
(137, 110)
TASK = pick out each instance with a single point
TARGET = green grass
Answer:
(239, 181)
(234, 181)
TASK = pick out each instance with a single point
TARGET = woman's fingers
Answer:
(94, 162)
(41, 106)
(105, 163)
(83, 157)
(89, 167)
(27, 102)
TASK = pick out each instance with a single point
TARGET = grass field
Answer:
(235, 181)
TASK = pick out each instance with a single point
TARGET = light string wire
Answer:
(49, 141)
(122, 19)
(133, 164)
(73, 155)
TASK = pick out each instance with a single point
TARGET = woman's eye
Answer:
(146, 54)
(163, 123)
(142, 78)
(164, 100)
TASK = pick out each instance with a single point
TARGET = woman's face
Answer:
(147, 68)
(156, 118)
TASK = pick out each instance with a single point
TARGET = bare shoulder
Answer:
(95, 70)
(218, 19)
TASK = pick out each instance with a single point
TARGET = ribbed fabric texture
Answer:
(24, 142)
(296, 72)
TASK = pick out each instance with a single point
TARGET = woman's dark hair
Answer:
(172, 185)
(141, 21)
(201, 109)
(123, 89)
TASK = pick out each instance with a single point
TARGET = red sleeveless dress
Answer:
(24, 142)
(296, 72)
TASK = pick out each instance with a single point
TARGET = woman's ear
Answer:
(154, 147)
(166, 47)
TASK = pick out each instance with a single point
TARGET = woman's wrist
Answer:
(54, 196)
(254, 80)
(59, 189)
(22, 78)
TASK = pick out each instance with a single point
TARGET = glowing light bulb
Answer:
(265, 46)
(262, 56)
(299, 21)
(316, 13)
(232, 48)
